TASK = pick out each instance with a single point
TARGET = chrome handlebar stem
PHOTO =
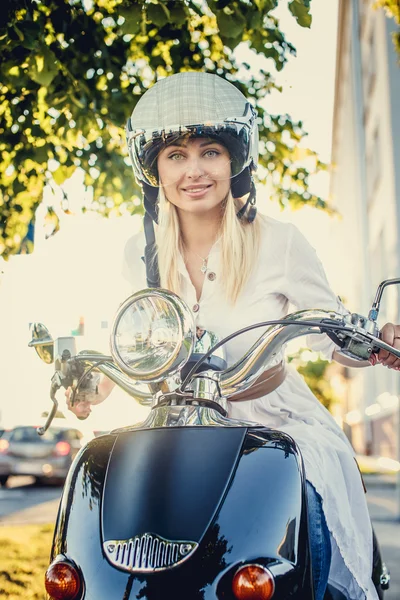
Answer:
(109, 368)
(262, 355)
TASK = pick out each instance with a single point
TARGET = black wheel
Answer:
(3, 480)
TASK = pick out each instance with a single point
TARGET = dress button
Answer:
(196, 308)
(211, 276)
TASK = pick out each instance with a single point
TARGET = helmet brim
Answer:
(146, 146)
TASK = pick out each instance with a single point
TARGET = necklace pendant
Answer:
(203, 268)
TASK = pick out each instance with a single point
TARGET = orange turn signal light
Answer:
(253, 582)
(62, 581)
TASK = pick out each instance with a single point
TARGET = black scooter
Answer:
(189, 504)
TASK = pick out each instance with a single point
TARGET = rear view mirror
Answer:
(42, 342)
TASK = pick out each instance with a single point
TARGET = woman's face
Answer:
(195, 174)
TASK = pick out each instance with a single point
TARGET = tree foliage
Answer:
(71, 72)
(392, 9)
(315, 371)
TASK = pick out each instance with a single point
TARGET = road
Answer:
(23, 502)
(383, 509)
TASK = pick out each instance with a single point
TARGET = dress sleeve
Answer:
(307, 286)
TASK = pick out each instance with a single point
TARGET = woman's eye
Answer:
(212, 153)
(176, 156)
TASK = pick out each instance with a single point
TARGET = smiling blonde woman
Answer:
(193, 142)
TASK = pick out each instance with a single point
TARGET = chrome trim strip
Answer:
(148, 553)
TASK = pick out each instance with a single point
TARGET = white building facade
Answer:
(365, 187)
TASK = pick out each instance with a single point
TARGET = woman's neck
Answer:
(199, 232)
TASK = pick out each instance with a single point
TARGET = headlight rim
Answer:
(186, 333)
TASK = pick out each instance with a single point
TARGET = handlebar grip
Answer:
(379, 345)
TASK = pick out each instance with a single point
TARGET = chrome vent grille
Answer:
(147, 553)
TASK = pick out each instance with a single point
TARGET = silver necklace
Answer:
(204, 266)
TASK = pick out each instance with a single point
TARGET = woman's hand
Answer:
(81, 408)
(84, 399)
(390, 334)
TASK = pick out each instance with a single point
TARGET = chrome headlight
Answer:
(153, 335)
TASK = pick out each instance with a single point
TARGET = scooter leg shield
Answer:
(174, 512)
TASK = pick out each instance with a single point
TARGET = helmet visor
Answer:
(212, 151)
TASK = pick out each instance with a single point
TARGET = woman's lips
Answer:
(196, 191)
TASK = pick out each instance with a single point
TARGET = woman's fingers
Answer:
(81, 408)
(68, 393)
(373, 359)
(390, 334)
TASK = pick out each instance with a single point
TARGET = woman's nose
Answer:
(194, 168)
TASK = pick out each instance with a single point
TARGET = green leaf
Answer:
(300, 10)
(178, 14)
(255, 20)
(19, 33)
(133, 19)
(30, 30)
(266, 5)
(220, 4)
(40, 155)
(158, 14)
(63, 173)
(43, 67)
(231, 26)
(230, 42)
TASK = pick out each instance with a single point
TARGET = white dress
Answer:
(288, 271)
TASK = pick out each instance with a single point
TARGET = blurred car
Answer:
(47, 457)
(377, 465)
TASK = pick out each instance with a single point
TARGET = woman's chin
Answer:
(199, 208)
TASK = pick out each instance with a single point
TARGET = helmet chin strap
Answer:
(250, 205)
(241, 184)
(150, 253)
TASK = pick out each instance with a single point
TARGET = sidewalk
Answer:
(382, 503)
(40, 513)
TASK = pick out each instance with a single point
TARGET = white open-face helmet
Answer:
(192, 104)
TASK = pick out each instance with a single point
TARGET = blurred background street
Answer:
(325, 79)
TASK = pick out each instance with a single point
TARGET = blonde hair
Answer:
(239, 244)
